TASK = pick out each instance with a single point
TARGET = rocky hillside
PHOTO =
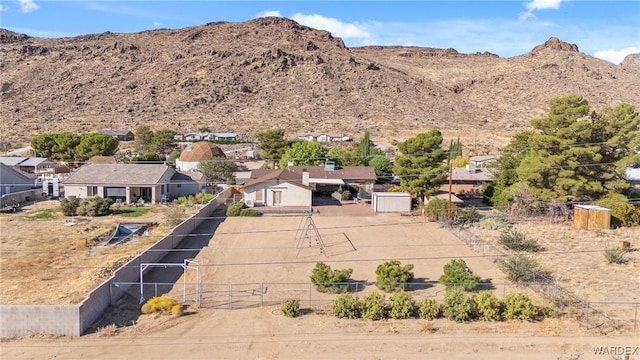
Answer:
(273, 72)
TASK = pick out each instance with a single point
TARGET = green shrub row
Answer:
(91, 206)
(457, 306)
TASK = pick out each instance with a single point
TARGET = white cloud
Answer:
(616, 56)
(157, 24)
(269, 13)
(3, 8)
(334, 26)
(27, 6)
(535, 5)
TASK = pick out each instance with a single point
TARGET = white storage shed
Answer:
(391, 202)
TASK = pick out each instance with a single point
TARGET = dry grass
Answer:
(61, 262)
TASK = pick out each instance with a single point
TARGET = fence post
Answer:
(587, 316)
(155, 287)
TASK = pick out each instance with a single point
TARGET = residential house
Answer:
(467, 180)
(121, 135)
(279, 188)
(482, 160)
(184, 183)
(328, 178)
(322, 137)
(193, 154)
(127, 183)
(223, 137)
(32, 165)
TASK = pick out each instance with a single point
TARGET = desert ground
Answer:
(267, 251)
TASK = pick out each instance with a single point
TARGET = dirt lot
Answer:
(263, 250)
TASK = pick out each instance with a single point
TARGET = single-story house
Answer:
(31, 165)
(633, 176)
(184, 183)
(482, 160)
(467, 180)
(193, 154)
(127, 183)
(223, 136)
(279, 188)
(121, 135)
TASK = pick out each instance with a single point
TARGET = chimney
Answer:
(471, 168)
(305, 177)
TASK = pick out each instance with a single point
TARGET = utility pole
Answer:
(450, 185)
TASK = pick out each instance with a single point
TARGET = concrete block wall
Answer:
(74, 320)
(22, 320)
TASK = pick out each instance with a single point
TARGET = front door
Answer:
(277, 198)
(145, 193)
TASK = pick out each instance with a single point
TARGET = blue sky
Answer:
(607, 29)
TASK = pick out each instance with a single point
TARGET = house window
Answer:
(92, 190)
(162, 189)
(179, 186)
(259, 195)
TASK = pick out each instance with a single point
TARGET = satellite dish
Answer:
(249, 203)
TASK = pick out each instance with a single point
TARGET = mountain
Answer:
(275, 73)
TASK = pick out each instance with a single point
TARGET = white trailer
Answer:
(51, 188)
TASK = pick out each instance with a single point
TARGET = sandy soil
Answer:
(263, 250)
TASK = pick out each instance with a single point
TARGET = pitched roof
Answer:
(21, 175)
(181, 176)
(34, 161)
(270, 175)
(362, 173)
(12, 160)
(201, 150)
(118, 174)
(115, 132)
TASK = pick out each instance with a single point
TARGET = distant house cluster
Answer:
(322, 137)
(207, 136)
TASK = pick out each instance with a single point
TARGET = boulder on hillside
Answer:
(556, 44)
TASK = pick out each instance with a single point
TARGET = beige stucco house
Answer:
(279, 188)
(193, 154)
(127, 183)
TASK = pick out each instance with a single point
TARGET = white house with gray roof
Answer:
(127, 183)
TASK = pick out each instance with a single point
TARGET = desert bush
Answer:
(488, 306)
(520, 268)
(177, 310)
(108, 330)
(458, 274)
(518, 306)
(494, 222)
(401, 305)
(346, 195)
(458, 306)
(466, 215)
(250, 212)
(95, 206)
(515, 240)
(373, 306)
(69, 206)
(290, 307)
(347, 306)
(615, 256)
(235, 207)
(391, 275)
(326, 279)
(437, 209)
(622, 213)
(162, 304)
(174, 216)
(428, 309)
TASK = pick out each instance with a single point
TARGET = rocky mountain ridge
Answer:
(273, 72)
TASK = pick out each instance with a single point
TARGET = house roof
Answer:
(445, 195)
(270, 175)
(115, 132)
(462, 174)
(181, 176)
(4, 169)
(118, 174)
(362, 173)
(201, 150)
(12, 160)
(632, 174)
(225, 135)
(34, 161)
